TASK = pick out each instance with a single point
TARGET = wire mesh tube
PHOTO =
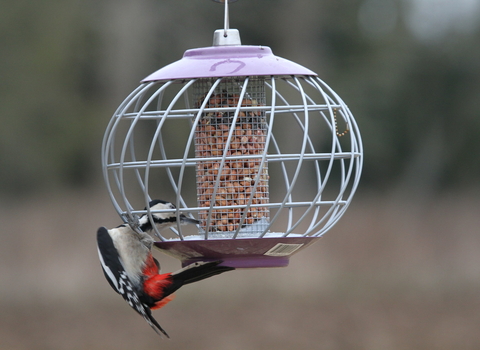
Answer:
(231, 134)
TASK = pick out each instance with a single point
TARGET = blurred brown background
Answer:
(401, 270)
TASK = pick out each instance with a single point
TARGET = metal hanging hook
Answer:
(226, 24)
(227, 36)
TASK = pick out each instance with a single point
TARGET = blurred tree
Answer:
(65, 66)
(415, 100)
(50, 95)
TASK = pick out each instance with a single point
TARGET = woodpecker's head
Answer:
(165, 219)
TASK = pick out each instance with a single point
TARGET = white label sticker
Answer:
(282, 249)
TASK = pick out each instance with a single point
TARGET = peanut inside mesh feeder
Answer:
(233, 134)
(273, 152)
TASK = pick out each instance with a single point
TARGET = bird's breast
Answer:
(133, 253)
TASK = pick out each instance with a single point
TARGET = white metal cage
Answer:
(300, 139)
(252, 145)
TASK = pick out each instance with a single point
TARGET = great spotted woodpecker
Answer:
(133, 272)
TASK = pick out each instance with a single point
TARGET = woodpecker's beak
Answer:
(186, 220)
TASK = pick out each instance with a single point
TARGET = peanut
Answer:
(236, 179)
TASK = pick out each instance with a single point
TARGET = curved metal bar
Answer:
(355, 162)
(108, 144)
(227, 145)
(150, 154)
(197, 120)
(301, 154)
(321, 184)
(180, 202)
(275, 93)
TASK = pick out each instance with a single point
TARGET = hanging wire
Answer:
(226, 23)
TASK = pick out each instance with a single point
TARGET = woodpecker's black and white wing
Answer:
(118, 279)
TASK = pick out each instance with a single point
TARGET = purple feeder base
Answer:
(238, 253)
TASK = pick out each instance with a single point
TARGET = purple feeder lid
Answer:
(228, 61)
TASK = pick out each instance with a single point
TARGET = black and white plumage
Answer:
(133, 272)
(117, 277)
(163, 220)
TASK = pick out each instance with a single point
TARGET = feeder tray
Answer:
(270, 154)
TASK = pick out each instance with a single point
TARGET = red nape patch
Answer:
(163, 302)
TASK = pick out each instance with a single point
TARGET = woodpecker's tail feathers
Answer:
(153, 323)
(200, 270)
(133, 299)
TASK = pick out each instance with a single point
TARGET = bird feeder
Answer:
(256, 147)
